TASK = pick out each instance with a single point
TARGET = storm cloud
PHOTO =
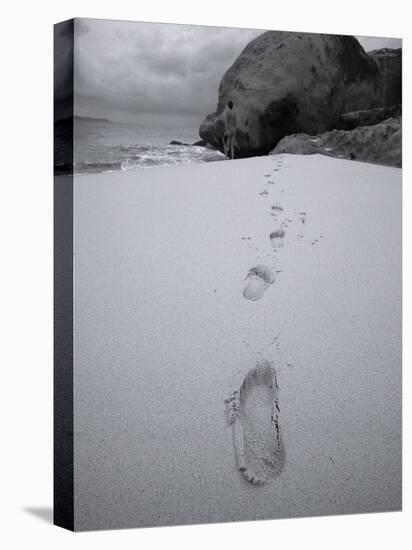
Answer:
(152, 72)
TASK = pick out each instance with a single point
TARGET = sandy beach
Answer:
(163, 334)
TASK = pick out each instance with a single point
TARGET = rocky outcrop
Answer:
(176, 142)
(349, 121)
(380, 143)
(390, 67)
(200, 143)
(286, 82)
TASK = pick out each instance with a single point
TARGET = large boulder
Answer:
(285, 82)
(390, 66)
(380, 143)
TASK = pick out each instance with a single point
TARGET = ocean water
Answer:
(102, 146)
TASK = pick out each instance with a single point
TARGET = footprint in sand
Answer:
(276, 238)
(253, 411)
(275, 210)
(302, 217)
(257, 281)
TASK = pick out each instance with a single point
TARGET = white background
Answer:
(26, 271)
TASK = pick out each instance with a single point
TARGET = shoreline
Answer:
(207, 162)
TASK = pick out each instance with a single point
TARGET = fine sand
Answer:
(254, 413)
(188, 280)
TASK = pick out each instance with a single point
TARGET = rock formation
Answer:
(390, 66)
(200, 143)
(349, 121)
(380, 143)
(286, 82)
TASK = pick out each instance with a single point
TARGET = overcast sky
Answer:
(157, 73)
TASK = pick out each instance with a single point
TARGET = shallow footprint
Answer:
(257, 281)
(302, 217)
(275, 210)
(276, 238)
(253, 411)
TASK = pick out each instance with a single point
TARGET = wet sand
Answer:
(164, 334)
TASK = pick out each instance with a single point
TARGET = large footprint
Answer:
(254, 413)
(257, 281)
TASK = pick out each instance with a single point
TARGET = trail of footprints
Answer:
(254, 288)
(253, 409)
(261, 277)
